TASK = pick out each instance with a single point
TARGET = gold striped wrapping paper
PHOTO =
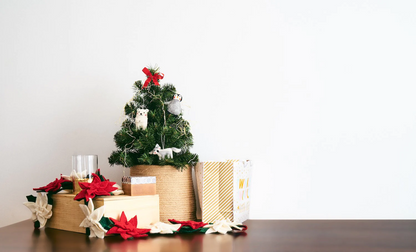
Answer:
(220, 191)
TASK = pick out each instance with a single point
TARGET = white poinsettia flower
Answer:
(92, 219)
(221, 226)
(119, 190)
(67, 177)
(164, 228)
(78, 175)
(41, 210)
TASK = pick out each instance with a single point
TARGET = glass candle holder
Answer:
(82, 168)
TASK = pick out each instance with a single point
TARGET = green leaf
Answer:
(106, 223)
(31, 198)
(50, 200)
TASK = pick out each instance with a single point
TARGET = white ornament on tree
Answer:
(162, 153)
(141, 118)
(174, 106)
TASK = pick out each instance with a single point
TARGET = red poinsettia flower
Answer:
(53, 186)
(243, 228)
(127, 229)
(192, 224)
(95, 188)
(98, 172)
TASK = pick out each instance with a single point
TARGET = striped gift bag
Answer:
(223, 190)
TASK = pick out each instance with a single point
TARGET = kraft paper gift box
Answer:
(140, 185)
(223, 190)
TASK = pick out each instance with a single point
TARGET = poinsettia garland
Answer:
(41, 206)
(128, 229)
(98, 225)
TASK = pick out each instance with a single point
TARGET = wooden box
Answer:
(67, 215)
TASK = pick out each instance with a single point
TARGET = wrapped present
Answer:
(137, 186)
(223, 190)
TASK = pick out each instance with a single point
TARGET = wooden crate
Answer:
(67, 215)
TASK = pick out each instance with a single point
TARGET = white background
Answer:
(319, 94)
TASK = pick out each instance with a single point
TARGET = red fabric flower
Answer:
(53, 186)
(102, 178)
(192, 224)
(243, 228)
(95, 188)
(126, 228)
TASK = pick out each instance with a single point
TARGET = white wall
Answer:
(319, 94)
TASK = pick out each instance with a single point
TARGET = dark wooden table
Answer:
(262, 235)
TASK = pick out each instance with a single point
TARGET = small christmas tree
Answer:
(154, 132)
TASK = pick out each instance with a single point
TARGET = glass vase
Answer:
(82, 168)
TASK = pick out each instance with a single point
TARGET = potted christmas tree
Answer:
(155, 140)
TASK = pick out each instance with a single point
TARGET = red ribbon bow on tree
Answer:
(152, 77)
